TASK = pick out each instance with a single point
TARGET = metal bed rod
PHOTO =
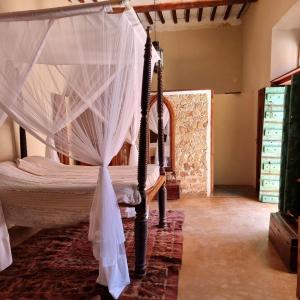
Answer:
(70, 10)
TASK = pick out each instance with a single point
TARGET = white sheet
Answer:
(47, 194)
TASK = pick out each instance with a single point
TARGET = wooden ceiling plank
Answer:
(187, 15)
(200, 14)
(228, 11)
(174, 15)
(242, 10)
(213, 13)
(161, 17)
(148, 17)
(187, 5)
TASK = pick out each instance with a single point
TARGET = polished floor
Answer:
(226, 250)
(226, 254)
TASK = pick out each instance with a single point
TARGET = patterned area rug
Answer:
(58, 264)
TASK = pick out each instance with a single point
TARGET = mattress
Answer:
(38, 192)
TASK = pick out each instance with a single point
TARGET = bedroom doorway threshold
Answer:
(235, 191)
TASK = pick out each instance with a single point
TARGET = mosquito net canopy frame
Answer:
(73, 79)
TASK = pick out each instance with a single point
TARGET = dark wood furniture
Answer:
(173, 189)
(298, 266)
(23, 142)
(159, 188)
(283, 234)
(260, 121)
(122, 158)
(283, 230)
(141, 230)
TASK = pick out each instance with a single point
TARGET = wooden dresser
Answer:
(173, 189)
(283, 234)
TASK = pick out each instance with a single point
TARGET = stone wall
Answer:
(192, 140)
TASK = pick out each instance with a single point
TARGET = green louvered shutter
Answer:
(285, 137)
(291, 200)
(272, 144)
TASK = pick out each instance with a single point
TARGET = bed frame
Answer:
(141, 220)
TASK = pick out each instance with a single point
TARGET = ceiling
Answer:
(168, 15)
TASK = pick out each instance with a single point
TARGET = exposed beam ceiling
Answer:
(161, 17)
(149, 18)
(200, 14)
(228, 11)
(186, 13)
(188, 5)
(174, 15)
(242, 10)
(213, 13)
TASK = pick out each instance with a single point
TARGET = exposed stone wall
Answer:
(192, 139)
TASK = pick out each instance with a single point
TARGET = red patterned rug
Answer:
(58, 264)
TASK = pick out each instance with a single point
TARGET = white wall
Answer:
(209, 58)
(285, 51)
(231, 142)
(286, 42)
(7, 142)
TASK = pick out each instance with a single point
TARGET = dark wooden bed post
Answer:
(162, 193)
(141, 230)
(23, 142)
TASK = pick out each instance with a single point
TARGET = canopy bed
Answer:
(83, 103)
(32, 190)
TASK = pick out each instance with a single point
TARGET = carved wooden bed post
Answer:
(162, 193)
(23, 142)
(141, 230)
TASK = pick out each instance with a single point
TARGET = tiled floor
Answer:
(226, 250)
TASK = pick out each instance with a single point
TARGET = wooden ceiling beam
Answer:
(242, 10)
(174, 15)
(185, 5)
(148, 17)
(227, 13)
(213, 13)
(161, 17)
(187, 15)
(200, 14)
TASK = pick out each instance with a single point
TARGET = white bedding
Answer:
(41, 193)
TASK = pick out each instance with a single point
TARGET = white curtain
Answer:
(132, 137)
(153, 117)
(94, 62)
(153, 126)
(5, 253)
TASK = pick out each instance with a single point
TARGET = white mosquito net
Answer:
(74, 82)
(3, 117)
(153, 117)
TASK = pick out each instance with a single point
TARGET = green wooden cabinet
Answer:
(280, 147)
(290, 166)
(271, 148)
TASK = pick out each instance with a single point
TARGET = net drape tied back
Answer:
(74, 82)
(3, 117)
